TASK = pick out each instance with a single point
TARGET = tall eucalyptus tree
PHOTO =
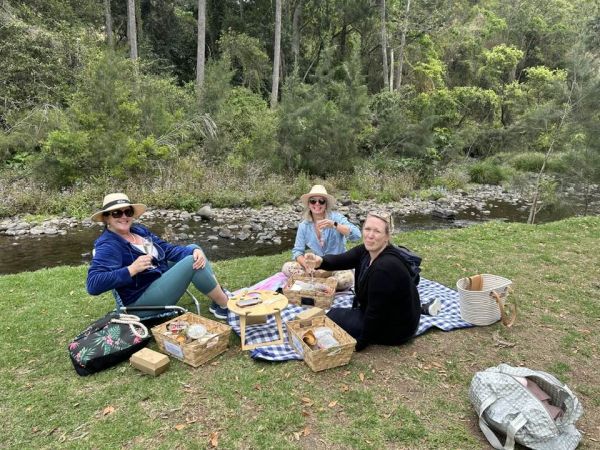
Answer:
(200, 55)
(276, 54)
(132, 30)
(108, 24)
(386, 81)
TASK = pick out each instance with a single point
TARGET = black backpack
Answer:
(412, 261)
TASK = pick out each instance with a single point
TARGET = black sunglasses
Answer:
(118, 213)
(314, 201)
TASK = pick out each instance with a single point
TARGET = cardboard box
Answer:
(150, 362)
(309, 313)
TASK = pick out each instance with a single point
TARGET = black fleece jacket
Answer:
(384, 292)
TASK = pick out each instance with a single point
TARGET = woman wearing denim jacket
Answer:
(323, 231)
(121, 263)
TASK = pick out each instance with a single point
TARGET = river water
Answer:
(28, 253)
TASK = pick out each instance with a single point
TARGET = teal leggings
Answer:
(170, 287)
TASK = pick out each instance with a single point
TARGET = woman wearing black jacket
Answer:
(386, 307)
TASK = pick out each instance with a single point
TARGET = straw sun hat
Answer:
(118, 201)
(318, 191)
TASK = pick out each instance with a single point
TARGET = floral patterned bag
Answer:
(107, 342)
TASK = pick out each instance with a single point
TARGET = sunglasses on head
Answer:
(118, 213)
(314, 201)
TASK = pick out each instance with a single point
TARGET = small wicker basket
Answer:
(485, 306)
(321, 359)
(310, 297)
(194, 353)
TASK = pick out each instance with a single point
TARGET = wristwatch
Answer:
(335, 224)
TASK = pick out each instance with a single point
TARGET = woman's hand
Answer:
(312, 262)
(199, 259)
(142, 263)
(325, 223)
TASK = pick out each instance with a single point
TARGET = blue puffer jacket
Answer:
(113, 254)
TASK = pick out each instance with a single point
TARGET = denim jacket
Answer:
(112, 255)
(334, 241)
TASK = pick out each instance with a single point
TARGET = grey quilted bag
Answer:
(508, 408)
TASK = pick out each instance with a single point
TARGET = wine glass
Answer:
(310, 262)
(148, 246)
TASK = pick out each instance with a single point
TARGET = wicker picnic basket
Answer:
(310, 297)
(321, 359)
(195, 352)
(482, 299)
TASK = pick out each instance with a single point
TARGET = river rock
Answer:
(225, 233)
(243, 235)
(206, 212)
(444, 214)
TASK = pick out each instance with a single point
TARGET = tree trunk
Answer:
(108, 20)
(384, 45)
(276, 55)
(391, 69)
(296, 19)
(400, 64)
(131, 30)
(200, 54)
(536, 192)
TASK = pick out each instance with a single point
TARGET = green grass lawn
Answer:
(414, 396)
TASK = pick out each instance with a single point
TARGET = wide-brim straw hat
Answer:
(318, 191)
(118, 201)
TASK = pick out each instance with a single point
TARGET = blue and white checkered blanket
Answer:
(448, 318)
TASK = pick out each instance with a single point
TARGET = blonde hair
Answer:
(307, 215)
(386, 217)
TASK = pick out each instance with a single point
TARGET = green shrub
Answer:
(452, 178)
(532, 162)
(247, 130)
(121, 123)
(369, 181)
(321, 123)
(528, 161)
(486, 172)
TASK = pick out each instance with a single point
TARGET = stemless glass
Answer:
(148, 246)
(310, 262)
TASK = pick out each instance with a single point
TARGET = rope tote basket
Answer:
(483, 300)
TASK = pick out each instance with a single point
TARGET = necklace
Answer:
(133, 238)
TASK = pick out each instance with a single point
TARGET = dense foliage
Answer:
(465, 80)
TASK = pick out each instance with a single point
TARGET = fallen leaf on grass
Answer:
(306, 431)
(344, 388)
(180, 426)
(332, 404)
(213, 439)
(307, 401)
(361, 376)
(108, 410)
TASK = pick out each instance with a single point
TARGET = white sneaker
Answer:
(434, 307)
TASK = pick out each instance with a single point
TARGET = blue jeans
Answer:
(170, 287)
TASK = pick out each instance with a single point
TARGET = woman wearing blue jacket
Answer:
(121, 262)
(322, 232)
